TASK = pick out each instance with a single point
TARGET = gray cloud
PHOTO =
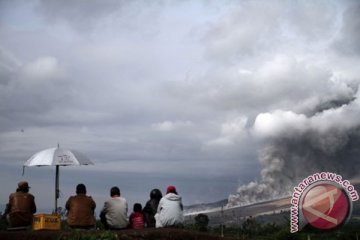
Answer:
(186, 92)
(81, 15)
(348, 42)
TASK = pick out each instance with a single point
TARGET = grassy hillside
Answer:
(249, 230)
(143, 234)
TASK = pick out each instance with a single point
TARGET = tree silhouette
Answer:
(201, 222)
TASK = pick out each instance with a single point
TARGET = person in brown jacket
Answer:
(81, 209)
(21, 207)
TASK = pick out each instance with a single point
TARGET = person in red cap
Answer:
(170, 210)
(21, 207)
(171, 189)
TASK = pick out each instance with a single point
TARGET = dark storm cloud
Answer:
(179, 90)
(289, 80)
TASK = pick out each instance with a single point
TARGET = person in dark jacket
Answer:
(21, 207)
(151, 206)
(81, 209)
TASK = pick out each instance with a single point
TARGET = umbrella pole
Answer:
(56, 187)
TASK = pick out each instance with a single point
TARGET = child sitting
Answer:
(136, 219)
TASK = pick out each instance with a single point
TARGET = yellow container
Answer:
(46, 222)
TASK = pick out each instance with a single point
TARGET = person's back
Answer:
(114, 213)
(21, 206)
(170, 210)
(80, 209)
(137, 217)
(151, 206)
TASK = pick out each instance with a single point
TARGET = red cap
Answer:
(171, 189)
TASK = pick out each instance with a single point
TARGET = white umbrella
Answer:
(57, 157)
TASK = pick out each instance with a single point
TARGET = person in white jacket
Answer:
(170, 210)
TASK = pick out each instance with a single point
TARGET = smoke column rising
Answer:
(296, 145)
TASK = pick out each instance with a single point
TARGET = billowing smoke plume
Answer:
(296, 145)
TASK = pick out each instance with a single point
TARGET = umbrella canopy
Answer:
(57, 157)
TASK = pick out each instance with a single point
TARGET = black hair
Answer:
(24, 190)
(155, 194)
(137, 207)
(114, 191)
(80, 188)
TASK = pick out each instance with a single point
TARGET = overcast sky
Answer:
(189, 93)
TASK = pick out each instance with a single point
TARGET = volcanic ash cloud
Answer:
(296, 145)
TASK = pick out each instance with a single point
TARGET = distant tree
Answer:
(251, 227)
(269, 228)
(201, 222)
(284, 232)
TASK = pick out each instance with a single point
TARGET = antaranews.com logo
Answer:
(323, 201)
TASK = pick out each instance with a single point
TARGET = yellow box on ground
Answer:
(46, 222)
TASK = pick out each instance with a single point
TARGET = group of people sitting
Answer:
(159, 211)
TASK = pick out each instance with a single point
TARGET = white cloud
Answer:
(169, 126)
(43, 69)
(279, 123)
(232, 132)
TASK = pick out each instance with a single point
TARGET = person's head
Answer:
(80, 189)
(137, 207)
(114, 191)
(155, 194)
(171, 189)
(23, 186)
